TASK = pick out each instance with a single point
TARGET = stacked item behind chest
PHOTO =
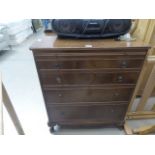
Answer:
(4, 41)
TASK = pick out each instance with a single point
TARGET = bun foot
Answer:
(121, 126)
(54, 128)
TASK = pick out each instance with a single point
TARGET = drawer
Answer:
(87, 113)
(69, 77)
(87, 62)
(89, 53)
(86, 94)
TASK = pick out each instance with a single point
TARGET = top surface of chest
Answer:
(54, 43)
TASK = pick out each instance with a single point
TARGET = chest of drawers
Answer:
(87, 82)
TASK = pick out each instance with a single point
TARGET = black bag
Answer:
(91, 28)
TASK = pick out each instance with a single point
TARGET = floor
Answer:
(21, 81)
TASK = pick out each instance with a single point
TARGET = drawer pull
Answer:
(124, 64)
(112, 110)
(57, 66)
(120, 78)
(60, 95)
(62, 113)
(117, 94)
(58, 79)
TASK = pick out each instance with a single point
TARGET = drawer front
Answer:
(89, 62)
(60, 77)
(106, 113)
(73, 95)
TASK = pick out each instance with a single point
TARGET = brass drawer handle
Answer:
(124, 64)
(120, 78)
(62, 113)
(57, 66)
(58, 79)
(116, 94)
(60, 95)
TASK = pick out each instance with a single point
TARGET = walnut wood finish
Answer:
(88, 77)
(87, 94)
(89, 62)
(87, 82)
(87, 113)
(52, 42)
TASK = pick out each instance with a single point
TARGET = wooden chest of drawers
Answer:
(87, 82)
